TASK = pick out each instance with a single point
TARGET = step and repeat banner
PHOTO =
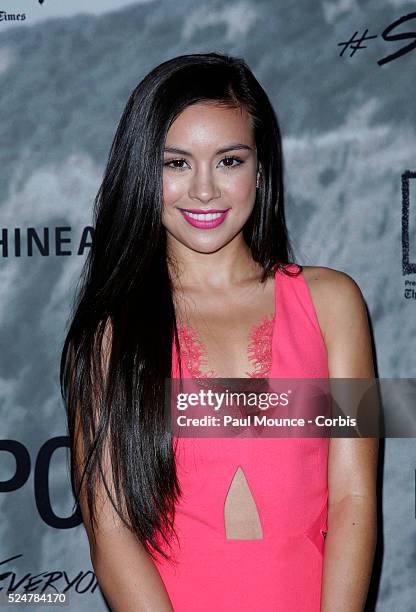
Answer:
(341, 76)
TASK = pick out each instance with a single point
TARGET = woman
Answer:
(190, 275)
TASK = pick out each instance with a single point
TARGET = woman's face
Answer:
(209, 176)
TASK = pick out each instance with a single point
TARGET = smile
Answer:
(205, 220)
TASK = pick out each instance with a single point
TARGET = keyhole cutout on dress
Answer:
(241, 518)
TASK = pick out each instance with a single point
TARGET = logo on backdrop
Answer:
(58, 580)
(12, 576)
(47, 241)
(12, 16)
(409, 232)
(41, 481)
(355, 43)
(4, 16)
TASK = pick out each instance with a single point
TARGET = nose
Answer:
(203, 187)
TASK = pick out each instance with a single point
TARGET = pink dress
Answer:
(287, 478)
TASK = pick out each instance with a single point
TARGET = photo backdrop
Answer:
(340, 74)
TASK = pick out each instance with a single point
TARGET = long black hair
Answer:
(117, 353)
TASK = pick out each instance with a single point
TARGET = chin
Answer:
(205, 248)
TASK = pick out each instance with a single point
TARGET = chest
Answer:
(228, 336)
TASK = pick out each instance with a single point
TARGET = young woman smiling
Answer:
(191, 275)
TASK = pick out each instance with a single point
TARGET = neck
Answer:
(231, 265)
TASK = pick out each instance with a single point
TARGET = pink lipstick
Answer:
(204, 219)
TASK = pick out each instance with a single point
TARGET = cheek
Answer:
(172, 190)
(242, 189)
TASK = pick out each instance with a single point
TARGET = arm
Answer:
(352, 462)
(126, 573)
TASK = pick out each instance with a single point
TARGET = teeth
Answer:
(204, 216)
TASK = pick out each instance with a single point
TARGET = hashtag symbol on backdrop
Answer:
(355, 43)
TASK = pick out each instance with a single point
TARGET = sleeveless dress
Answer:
(287, 477)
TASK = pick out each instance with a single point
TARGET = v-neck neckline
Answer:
(188, 374)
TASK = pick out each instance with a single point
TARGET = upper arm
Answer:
(352, 462)
(127, 575)
(107, 519)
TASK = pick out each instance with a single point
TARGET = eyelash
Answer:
(233, 157)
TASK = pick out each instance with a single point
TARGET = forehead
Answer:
(210, 124)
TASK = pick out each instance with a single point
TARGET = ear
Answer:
(259, 175)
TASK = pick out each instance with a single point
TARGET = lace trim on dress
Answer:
(193, 351)
(260, 350)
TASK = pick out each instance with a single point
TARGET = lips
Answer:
(203, 212)
(206, 219)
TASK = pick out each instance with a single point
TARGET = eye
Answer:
(175, 164)
(229, 161)
(179, 164)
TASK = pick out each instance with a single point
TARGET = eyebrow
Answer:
(231, 147)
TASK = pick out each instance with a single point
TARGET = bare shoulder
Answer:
(330, 281)
(337, 298)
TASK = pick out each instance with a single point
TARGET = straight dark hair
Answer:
(117, 354)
